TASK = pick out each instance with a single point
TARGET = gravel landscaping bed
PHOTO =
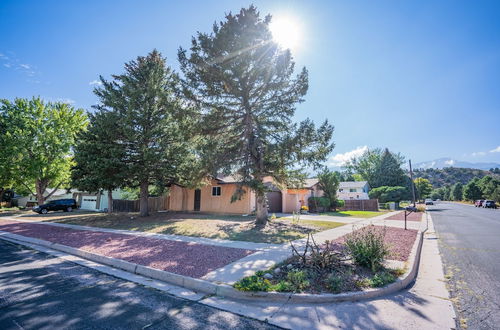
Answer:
(334, 266)
(414, 216)
(189, 259)
(399, 241)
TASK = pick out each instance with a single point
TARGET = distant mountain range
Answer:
(448, 162)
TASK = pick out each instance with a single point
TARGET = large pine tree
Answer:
(153, 122)
(245, 85)
(99, 156)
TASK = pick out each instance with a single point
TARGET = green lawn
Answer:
(355, 214)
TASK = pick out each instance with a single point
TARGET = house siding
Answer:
(182, 199)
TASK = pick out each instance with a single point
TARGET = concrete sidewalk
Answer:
(266, 255)
(425, 305)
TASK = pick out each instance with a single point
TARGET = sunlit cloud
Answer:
(95, 83)
(341, 159)
(478, 153)
(497, 149)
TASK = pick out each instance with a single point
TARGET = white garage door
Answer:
(89, 203)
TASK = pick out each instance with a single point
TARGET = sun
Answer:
(286, 31)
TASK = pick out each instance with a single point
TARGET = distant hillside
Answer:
(447, 162)
(450, 175)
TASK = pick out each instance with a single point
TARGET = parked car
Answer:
(429, 201)
(66, 205)
(479, 203)
(490, 204)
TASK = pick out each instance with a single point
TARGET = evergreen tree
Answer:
(472, 191)
(153, 122)
(380, 168)
(388, 171)
(328, 182)
(244, 84)
(456, 193)
(99, 156)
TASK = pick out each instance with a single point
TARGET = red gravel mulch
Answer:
(183, 258)
(400, 241)
(414, 216)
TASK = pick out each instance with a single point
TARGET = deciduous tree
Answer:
(456, 193)
(423, 188)
(39, 136)
(472, 191)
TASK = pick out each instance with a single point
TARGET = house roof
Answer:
(228, 179)
(352, 184)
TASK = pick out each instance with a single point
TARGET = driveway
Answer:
(469, 240)
(38, 291)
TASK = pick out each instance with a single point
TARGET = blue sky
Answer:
(421, 77)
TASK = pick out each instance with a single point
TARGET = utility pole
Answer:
(412, 184)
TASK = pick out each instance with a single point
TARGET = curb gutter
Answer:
(227, 291)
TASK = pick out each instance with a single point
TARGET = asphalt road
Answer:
(39, 291)
(469, 242)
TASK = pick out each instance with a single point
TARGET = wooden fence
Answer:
(154, 204)
(361, 205)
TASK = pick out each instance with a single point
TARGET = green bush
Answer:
(298, 280)
(334, 283)
(318, 204)
(253, 283)
(367, 247)
(381, 279)
(389, 194)
(340, 203)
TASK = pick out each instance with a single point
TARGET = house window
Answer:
(341, 190)
(352, 190)
(215, 191)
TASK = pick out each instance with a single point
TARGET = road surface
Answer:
(39, 291)
(469, 242)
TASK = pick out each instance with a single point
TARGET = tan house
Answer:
(216, 197)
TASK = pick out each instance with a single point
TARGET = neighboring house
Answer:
(30, 200)
(86, 201)
(353, 190)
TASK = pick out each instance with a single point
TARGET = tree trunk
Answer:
(143, 206)
(39, 192)
(110, 201)
(261, 209)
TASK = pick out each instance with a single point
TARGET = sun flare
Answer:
(286, 32)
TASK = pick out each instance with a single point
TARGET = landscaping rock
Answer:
(289, 266)
(268, 276)
(277, 271)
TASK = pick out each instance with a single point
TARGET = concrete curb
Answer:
(227, 291)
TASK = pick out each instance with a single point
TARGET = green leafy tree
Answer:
(472, 191)
(40, 136)
(456, 193)
(245, 85)
(153, 123)
(386, 194)
(99, 157)
(328, 182)
(423, 188)
(488, 186)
